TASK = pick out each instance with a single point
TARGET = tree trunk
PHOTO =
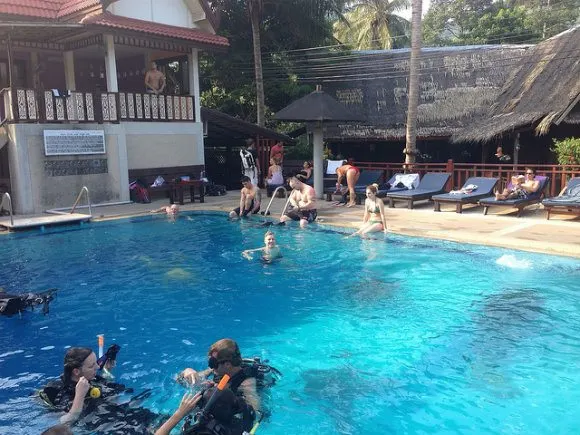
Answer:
(411, 142)
(255, 18)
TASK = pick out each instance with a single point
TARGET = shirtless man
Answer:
(350, 173)
(154, 80)
(250, 199)
(302, 205)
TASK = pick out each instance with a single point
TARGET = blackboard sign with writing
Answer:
(70, 142)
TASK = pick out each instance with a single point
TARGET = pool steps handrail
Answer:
(85, 190)
(7, 197)
(274, 196)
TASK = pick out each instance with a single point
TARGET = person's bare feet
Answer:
(351, 204)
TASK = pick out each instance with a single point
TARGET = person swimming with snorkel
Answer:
(270, 251)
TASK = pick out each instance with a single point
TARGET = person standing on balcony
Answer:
(154, 80)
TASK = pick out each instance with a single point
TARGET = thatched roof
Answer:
(543, 90)
(457, 85)
(316, 106)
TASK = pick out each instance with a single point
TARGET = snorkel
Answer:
(108, 357)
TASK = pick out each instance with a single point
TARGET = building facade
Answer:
(74, 109)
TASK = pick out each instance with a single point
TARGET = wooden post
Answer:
(450, 168)
(516, 149)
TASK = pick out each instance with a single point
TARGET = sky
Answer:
(407, 13)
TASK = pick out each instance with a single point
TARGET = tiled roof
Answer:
(31, 8)
(71, 6)
(117, 22)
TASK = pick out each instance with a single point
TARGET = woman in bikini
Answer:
(351, 174)
(374, 219)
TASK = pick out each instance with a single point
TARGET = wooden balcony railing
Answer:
(27, 106)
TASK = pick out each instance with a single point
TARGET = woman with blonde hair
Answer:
(374, 219)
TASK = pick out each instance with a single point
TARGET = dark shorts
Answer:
(247, 212)
(296, 215)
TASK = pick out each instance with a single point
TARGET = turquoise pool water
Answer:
(392, 335)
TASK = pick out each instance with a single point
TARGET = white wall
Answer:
(172, 12)
(164, 144)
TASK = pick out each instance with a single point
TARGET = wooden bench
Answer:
(173, 188)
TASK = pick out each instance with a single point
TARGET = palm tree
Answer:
(255, 8)
(317, 10)
(411, 142)
(372, 24)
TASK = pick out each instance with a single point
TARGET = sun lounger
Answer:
(366, 177)
(484, 188)
(568, 202)
(383, 189)
(431, 184)
(518, 204)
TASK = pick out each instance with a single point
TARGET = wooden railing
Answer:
(559, 174)
(26, 106)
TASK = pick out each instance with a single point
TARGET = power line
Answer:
(388, 69)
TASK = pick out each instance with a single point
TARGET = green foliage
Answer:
(457, 22)
(228, 79)
(301, 151)
(373, 25)
(567, 150)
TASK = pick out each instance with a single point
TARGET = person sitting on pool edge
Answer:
(81, 392)
(270, 251)
(250, 199)
(302, 203)
(374, 219)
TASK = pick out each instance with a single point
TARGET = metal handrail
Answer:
(274, 196)
(85, 190)
(7, 196)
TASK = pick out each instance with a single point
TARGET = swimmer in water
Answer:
(270, 251)
(170, 210)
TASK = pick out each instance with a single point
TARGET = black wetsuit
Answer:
(102, 415)
(231, 414)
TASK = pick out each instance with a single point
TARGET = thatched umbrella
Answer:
(315, 109)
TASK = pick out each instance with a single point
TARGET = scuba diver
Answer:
(88, 399)
(17, 304)
(231, 409)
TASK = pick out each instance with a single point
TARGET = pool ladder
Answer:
(286, 197)
(7, 197)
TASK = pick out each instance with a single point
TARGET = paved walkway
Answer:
(532, 232)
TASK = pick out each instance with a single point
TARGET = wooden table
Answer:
(178, 189)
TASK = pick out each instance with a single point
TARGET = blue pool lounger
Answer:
(366, 177)
(484, 188)
(518, 204)
(431, 184)
(568, 202)
(361, 191)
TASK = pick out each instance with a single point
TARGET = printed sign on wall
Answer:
(70, 142)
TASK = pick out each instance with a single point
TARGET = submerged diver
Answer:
(235, 411)
(270, 251)
(17, 304)
(86, 397)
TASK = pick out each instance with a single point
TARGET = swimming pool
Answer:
(407, 336)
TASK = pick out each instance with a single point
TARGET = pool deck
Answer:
(531, 232)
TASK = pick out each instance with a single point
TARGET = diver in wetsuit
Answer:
(87, 398)
(235, 410)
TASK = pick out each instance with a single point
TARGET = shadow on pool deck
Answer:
(531, 232)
